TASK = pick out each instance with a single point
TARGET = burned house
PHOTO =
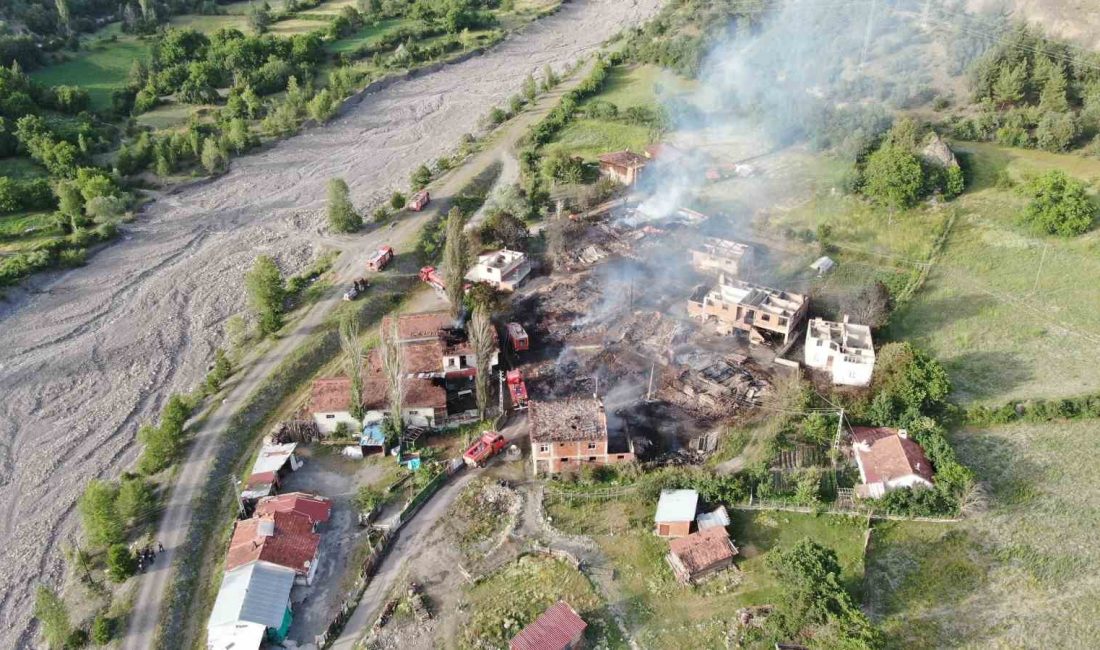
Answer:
(760, 311)
(571, 433)
(624, 167)
(432, 342)
(721, 256)
(504, 269)
(843, 349)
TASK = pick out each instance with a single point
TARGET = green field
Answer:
(21, 168)
(1010, 314)
(101, 69)
(367, 35)
(625, 87)
(13, 226)
(502, 604)
(1028, 569)
(664, 614)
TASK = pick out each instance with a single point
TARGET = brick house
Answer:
(283, 538)
(569, 434)
(734, 305)
(675, 513)
(624, 167)
(716, 255)
(432, 342)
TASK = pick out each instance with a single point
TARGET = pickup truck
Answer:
(488, 445)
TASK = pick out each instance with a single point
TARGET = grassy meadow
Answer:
(1026, 570)
(661, 613)
(100, 68)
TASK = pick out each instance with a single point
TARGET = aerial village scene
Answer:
(540, 325)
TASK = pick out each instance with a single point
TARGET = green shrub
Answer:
(120, 563)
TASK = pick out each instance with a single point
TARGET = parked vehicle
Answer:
(488, 445)
(517, 389)
(419, 200)
(380, 258)
(357, 287)
(518, 337)
(433, 277)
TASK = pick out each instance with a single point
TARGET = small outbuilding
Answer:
(700, 555)
(558, 628)
(675, 513)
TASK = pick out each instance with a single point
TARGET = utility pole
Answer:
(500, 374)
(649, 391)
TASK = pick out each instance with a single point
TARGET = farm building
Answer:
(736, 305)
(252, 607)
(888, 460)
(624, 167)
(504, 269)
(675, 513)
(330, 404)
(842, 349)
(701, 554)
(558, 628)
(569, 434)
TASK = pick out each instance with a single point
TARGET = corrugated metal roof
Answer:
(677, 505)
(554, 629)
(273, 457)
(257, 592)
(235, 636)
(719, 517)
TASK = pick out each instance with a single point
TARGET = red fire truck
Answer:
(518, 337)
(488, 445)
(517, 389)
(419, 200)
(380, 258)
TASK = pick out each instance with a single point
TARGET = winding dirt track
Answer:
(87, 355)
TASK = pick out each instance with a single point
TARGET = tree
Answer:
(870, 305)
(63, 16)
(99, 513)
(1053, 99)
(397, 201)
(70, 202)
(1010, 84)
(161, 447)
(1059, 205)
(53, 617)
(530, 88)
(120, 563)
(483, 341)
(454, 260)
(259, 18)
(393, 369)
(105, 209)
(421, 177)
(1056, 131)
(342, 216)
(549, 79)
(136, 501)
(213, 159)
(353, 361)
(238, 135)
(893, 177)
(102, 630)
(266, 292)
(322, 106)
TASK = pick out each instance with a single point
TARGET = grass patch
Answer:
(664, 614)
(21, 169)
(211, 24)
(368, 35)
(1026, 569)
(100, 69)
(19, 224)
(1005, 311)
(508, 600)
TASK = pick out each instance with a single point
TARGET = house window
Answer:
(330, 416)
(544, 449)
(591, 459)
(765, 317)
(591, 445)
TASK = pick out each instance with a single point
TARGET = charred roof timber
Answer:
(578, 419)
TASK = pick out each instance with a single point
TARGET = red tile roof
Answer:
(330, 394)
(554, 629)
(885, 454)
(625, 159)
(318, 509)
(704, 549)
(288, 541)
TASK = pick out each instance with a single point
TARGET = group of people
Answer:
(146, 556)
